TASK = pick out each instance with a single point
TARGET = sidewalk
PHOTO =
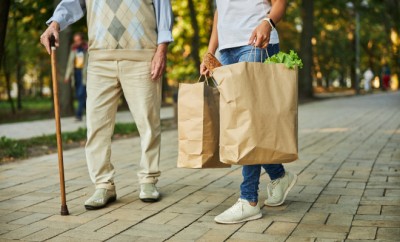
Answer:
(348, 188)
(25, 130)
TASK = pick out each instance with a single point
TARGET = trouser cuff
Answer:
(108, 186)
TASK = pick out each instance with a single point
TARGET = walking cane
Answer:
(64, 208)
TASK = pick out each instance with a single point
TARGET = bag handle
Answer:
(254, 48)
(207, 80)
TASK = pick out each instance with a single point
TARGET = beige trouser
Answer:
(106, 81)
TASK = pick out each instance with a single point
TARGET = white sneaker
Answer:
(100, 198)
(278, 189)
(240, 212)
(149, 193)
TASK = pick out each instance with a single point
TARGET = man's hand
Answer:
(53, 29)
(66, 80)
(260, 36)
(158, 63)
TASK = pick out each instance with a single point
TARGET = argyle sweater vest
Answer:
(121, 29)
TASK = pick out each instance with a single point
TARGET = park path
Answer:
(348, 188)
(26, 130)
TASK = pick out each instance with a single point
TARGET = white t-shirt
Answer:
(238, 18)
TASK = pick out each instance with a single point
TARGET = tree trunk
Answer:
(65, 89)
(7, 75)
(18, 73)
(306, 53)
(196, 38)
(4, 10)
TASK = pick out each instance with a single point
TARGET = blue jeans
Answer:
(80, 93)
(251, 173)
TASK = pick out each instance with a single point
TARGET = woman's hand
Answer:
(204, 70)
(260, 36)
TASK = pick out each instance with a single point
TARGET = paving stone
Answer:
(192, 232)
(321, 231)
(340, 219)
(315, 218)
(162, 218)
(349, 200)
(388, 233)
(241, 236)
(299, 239)
(281, 228)
(376, 221)
(30, 219)
(366, 209)
(95, 224)
(129, 214)
(328, 199)
(362, 233)
(391, 210)
(87, 235)
(162, 231)
(44, 234)
(335, 208)
(257, 226)
(13, 216)
(215, 235)
(22, 232)
(123, 238)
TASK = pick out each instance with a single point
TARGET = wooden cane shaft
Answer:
(58, 126)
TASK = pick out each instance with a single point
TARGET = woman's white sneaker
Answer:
(278, 189)
(240, 212)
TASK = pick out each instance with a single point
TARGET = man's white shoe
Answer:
(149, 193)
(100, 198)
(278, 189)
(240, 212)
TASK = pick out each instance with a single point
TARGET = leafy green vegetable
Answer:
(291, 60)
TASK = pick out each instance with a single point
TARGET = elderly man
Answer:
(128, 41)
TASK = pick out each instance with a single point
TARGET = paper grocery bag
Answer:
(258, 113)
(198, 126)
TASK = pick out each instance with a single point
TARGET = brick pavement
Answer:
(348, 188)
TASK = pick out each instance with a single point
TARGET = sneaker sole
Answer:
(286, 193)
(254, 217)
(149, 200)
(89, 207)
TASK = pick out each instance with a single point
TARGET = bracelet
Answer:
(270, 22)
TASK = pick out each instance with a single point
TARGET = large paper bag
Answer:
(258, 113)
(198, 126)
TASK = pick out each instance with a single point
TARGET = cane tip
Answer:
(64, 210)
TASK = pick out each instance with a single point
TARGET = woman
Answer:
(239, 26)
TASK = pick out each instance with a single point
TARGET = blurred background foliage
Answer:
(325, 31)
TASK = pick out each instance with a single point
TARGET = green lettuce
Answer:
(291, 60)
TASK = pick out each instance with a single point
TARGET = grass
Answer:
(11, 149)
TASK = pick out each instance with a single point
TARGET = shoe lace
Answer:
(238, 206)
(272, 185)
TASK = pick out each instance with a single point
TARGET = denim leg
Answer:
(251, 180)
(81, 100)
(272, 49)
(274, 171)
(80, 92)
(249, 53)
(226, 57)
